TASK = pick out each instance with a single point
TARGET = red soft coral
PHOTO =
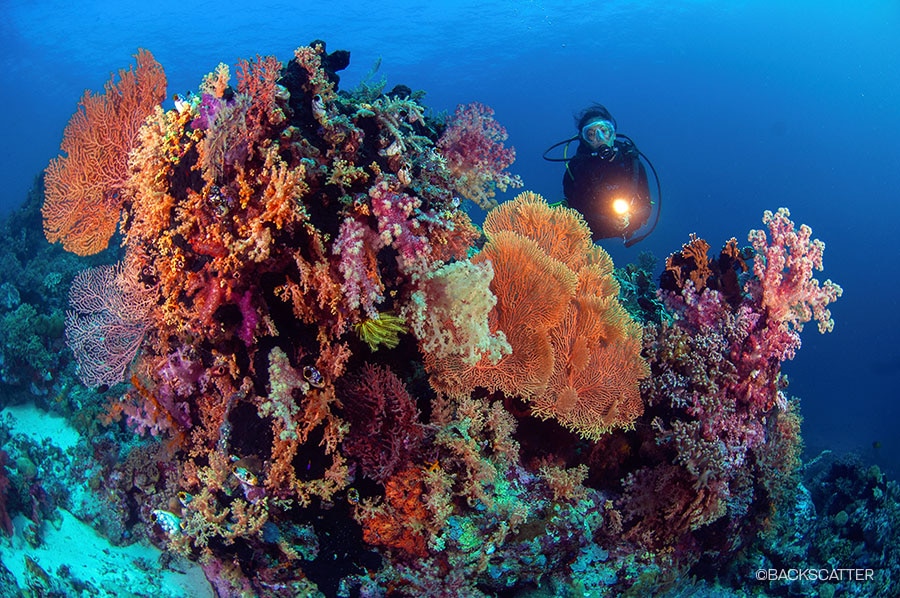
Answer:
(384, 425)
(400, 522)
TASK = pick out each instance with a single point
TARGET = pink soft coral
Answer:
(473, 146)
(357, 246)
(784, 270)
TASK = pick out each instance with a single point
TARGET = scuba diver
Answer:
(606, 180)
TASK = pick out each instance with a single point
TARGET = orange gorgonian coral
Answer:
(575, 351)
(84, 187)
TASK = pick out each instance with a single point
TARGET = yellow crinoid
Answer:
(384, 329)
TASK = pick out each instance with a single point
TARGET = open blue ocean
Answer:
(310, 357)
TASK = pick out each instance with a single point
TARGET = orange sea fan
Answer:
(593, 387)
(533, 291)
(596, 276)
(532, 288)
(561, 232)
(523, 373)
(595, 282)
(597, 294)
(575, 350)
(84, 188)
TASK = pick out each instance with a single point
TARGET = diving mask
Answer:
(598, 133)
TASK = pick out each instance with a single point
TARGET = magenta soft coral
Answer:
(754, 347)
(399, 226)
(357, 248)
(705, 373)
(249, 317)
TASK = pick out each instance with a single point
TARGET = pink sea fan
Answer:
(107, 322)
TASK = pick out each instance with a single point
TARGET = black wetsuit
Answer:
(592, 182)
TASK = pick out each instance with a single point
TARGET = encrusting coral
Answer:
(343, 376)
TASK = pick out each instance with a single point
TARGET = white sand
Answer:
(114, 571)
(30, 421)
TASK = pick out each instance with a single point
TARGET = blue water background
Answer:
(742, 107)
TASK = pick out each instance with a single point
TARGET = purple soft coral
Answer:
(209, 107)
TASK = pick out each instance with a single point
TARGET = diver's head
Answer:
(597, 129)
(599, 135)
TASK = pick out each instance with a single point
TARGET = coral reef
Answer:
(314, 375)
(724, 440)
(34, 282)
(5, 521)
